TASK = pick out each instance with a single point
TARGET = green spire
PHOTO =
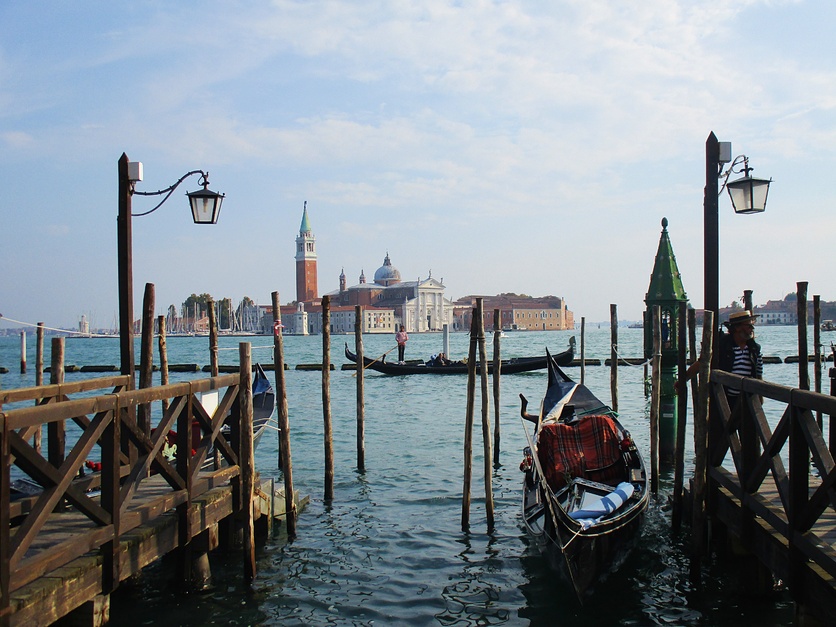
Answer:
(305, 227)
(665, 282)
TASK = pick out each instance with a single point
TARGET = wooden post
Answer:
(701, 419)
(361, 402)
(655, 398)
(247, 458)
(326, 399)
(39, 380)
(285, 458)
(184, 509)
(803, 372)
(747, 301)
(682, 414)
(213, 337)
(5, 526)
(817, 351)
(692, 348)
(111, 447)
(583, 349)
(23, 352)
(468, 423)
(146, 357)
(614, 356)
(497, 367)
(56, 434)
(486, 424)
(161, 344)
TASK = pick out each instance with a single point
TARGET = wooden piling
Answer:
(614, 356)
(468, 423)
(247, 458)
(39, 380)
(361, 402)
(701, 422)
(583, 349)
(285, 458)
(161, 345)
(655, 399)
(497, 367)
(213, 337)
(23, 352)
(682, 416)
(56, 433)
(146, 357)
(486, 424)
(817, 359)
(803, 372)
(326, 399)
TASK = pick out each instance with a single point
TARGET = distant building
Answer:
(306, 282)
(517, 313)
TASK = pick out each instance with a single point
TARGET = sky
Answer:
(502, 146)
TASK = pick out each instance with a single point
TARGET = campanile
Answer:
(306, 261)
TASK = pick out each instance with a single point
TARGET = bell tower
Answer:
(306, 289)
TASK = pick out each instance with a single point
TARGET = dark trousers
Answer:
(401, 349)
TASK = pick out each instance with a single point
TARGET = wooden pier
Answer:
(764, 490)
(70, 544)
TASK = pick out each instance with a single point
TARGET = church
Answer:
(387, 301)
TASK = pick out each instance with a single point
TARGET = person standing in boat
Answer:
(739, 354)
(401, 338)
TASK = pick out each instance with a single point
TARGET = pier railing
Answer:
(782, 509)
(137, 477)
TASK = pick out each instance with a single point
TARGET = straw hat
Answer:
(741, 316)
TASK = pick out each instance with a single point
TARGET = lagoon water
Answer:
(389, 550)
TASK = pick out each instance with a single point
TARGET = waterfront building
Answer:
(517, 312)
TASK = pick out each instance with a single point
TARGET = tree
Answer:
(195, 306)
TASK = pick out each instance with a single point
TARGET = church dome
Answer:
(387, 274)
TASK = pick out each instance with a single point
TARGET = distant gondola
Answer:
(508, 366)
(585, 487)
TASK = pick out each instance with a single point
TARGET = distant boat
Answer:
(509, 366)
(828, 325)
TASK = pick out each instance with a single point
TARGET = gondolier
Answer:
(401, 338)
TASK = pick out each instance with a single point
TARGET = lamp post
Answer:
(748, 195)
(205, 206)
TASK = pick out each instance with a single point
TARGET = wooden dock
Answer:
(70, 544)
(772, 487)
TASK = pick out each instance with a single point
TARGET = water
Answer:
(390, 550)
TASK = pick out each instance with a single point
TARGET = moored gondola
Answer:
(585, 487)
(508, 366)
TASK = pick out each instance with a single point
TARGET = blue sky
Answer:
(505, 146)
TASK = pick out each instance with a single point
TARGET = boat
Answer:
(828, 325)
(585, 491)
(508, 366)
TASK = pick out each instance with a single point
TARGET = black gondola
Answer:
(585, 487)
(508, 366)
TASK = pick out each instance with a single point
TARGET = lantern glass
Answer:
(206, 206)
(748, 195)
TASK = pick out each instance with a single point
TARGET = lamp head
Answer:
(205, 204)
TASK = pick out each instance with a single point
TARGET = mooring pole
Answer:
(583, 349)
(614, 356)
(682, 412)
(161, 345)
(247, 457)
(468, 422)
(285, 458)
(146, 357)
(497, 366)
(361, 402)
(803, 371)
(701, 424)
(23, 352)
(655, 400)
(326, 399)
(486, 424)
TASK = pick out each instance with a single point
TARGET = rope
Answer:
(68, 331)
(235, 348)
(624, 359)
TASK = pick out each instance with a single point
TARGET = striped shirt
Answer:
(745, 366)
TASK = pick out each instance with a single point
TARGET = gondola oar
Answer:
(364, 366)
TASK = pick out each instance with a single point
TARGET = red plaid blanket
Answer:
(589, 448)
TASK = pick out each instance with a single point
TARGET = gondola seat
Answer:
(589, 447)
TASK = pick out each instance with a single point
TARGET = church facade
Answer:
(387, 301)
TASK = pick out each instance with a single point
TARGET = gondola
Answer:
(585, 487)
(508, 366)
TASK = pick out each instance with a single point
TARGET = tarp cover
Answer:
(588, 448)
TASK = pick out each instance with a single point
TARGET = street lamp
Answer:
(748, 195)
(205, 205)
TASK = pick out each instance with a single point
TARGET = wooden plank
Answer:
(41, 392)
